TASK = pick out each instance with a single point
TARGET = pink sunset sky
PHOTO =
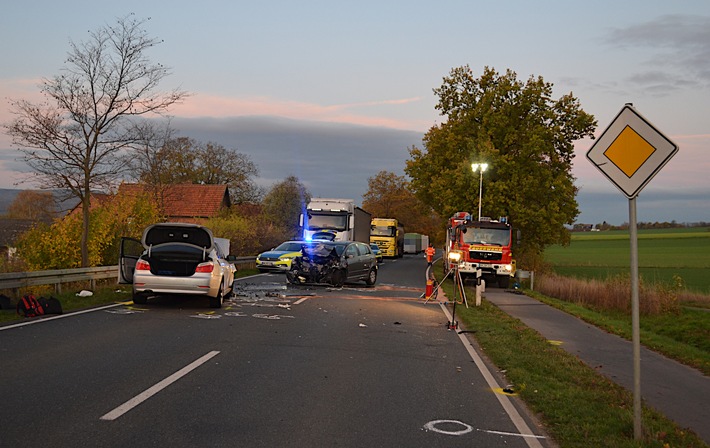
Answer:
(315, 73)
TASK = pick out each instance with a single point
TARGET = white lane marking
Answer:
(300, 301)
(504, 400)
(61, 316)
(143, 396)
(502, 433)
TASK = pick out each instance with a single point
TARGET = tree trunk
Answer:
(85, 206)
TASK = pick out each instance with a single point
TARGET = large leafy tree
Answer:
(391, 196)
(524, 135)
(73, 141)
(284, 203)
(164, 160)
(33, 205)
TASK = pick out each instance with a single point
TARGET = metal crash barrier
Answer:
(16, 280)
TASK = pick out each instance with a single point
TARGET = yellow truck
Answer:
(388, 234)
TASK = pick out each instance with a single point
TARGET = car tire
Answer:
(230, 295)
(338, 278)
(292, 278)
(140, 298)
(371, 277)
(216, 302)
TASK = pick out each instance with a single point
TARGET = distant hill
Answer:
(8, 196)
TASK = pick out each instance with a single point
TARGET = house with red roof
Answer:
(189, 203)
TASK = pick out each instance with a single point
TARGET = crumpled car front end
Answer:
(319, 264)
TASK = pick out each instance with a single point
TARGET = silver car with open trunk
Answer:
(176, 258)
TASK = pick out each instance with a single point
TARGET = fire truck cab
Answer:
(486, 245)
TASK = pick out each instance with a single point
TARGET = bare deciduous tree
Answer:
(74, 140)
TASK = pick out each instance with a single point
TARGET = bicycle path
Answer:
(680, 392)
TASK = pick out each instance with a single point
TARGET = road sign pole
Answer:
(635, 330)
(630, 152)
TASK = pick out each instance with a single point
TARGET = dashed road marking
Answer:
(143, 396)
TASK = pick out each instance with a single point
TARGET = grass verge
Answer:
(578, 406)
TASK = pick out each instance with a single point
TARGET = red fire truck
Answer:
(486, 245)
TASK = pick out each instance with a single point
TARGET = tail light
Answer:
(142, 265)
(205, 267)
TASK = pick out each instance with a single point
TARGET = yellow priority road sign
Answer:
(631, 151)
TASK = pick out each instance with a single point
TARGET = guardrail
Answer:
(16, 280)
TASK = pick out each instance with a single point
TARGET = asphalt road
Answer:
(277, 366)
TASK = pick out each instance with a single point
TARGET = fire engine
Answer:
(486, 245)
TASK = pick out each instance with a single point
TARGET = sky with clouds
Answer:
(334, 92)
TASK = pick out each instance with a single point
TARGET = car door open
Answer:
(131, 249)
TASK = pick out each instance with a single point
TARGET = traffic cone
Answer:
(429, 288)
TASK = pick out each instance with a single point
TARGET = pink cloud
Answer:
(220, 107)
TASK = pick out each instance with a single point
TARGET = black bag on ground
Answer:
(5, 302)
(29, 306)
(51, 305)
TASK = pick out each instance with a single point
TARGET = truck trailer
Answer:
(414, 243)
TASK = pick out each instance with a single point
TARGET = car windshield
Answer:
(322, 249)
(289, 246)
(327, 221)
(383, 231)
(475, 235)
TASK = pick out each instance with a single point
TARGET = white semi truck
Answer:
(335, 219)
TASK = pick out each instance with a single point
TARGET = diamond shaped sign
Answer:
(631, 151)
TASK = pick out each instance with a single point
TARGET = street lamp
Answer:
(482, 167)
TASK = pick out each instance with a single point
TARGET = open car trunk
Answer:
(175, 260)
(175, 249)
(191, 234)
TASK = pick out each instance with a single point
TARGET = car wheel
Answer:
(292, 278)
(230, 294)
(338, 278)
(216, 302)
(371, 277)
(140, 298)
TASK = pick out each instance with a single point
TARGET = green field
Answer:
(663, 254)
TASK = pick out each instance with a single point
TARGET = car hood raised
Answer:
(163, 233)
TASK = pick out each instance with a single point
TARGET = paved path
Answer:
(679, 392)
